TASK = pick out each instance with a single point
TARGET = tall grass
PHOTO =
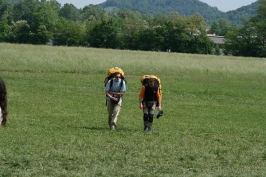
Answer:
(213, 122)
(88, 60)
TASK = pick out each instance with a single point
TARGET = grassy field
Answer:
(213, 123)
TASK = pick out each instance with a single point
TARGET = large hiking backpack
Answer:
(144, 81)
(110, 74)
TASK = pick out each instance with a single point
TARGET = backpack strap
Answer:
(121, 84)
(111, 84)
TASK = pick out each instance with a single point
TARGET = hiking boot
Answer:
(149, 127)
(146, 129)
(113, 127)
(145, 126)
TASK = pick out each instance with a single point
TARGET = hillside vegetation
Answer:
(213, 122)
(184, 7)
(49, 23)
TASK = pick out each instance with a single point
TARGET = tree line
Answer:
(249, 40)
(42, 22)
(47, 22)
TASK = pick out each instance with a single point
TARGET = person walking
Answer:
(114, 89)
(3, 103)
(149, 98)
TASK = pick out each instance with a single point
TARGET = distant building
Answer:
(216, 39)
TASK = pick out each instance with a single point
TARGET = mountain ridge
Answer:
(183, 7)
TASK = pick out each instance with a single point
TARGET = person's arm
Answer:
(121, 92)
(1, 117)
(116, 93)
(110, 96)
(107, 90)
(141, 97)
(159, 98)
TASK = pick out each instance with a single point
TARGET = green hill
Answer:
(154, 7)
(12, 0)
(236, 16)
(183, 7)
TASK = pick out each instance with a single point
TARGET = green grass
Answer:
(213, 122)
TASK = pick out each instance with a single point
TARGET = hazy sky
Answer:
(223, 5)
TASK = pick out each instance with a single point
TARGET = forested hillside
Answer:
(48, 22)
(13, 0)
(236, 16)
(183, 7)
(154, 7)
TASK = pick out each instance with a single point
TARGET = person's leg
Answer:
(145, 121)
(150, 115)
(145, 116)
(110, 108)
(3, 123)
(116, 111)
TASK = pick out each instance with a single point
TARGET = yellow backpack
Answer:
(110, 74)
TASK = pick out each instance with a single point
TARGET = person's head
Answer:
(151, 82)
(3, 101)
(117, 76)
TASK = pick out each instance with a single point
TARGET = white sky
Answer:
(223, 5)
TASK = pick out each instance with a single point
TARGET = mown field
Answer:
(213, 123)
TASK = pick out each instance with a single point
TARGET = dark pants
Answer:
(148, 113)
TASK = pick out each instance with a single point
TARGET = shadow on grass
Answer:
(119, 129)
(92, 128)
